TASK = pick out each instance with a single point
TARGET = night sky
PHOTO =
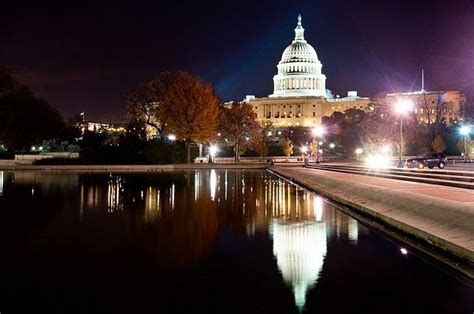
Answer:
(85, 56)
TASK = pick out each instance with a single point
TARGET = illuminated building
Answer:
(430, 106)
(299, 96)
(100, 127)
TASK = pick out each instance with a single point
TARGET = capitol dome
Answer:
(299, 70)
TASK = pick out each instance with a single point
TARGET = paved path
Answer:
(131, 168)
(443, 216)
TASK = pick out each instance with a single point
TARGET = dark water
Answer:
(200, 242)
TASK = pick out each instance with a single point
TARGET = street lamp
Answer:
(318, 132)
(358, 151)
(402, 107)
(465, 130)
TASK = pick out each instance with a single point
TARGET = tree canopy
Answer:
(25, 120)
(238, 123)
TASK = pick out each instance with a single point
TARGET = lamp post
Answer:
(318, 132)
(402, 107)
(465, 130)
(358, 151)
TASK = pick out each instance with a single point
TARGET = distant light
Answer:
(320, 151)
(318, 131)
(403, 106)
(386, 149)
(269, 133)
(320, 143)
(465, 130)
(377, 161)
(404, 251)
(247, 138)
(304, 149)
(218, 134)
(213, 149)
(40, 148)
(172, 137)
(279, 132)
(332, 145)
(358, 151)
(33, 148)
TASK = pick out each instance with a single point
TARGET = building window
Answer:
(256, 107)
(314, 114)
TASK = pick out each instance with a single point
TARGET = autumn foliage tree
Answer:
(146, 104)
(238, 123)
(191, 110)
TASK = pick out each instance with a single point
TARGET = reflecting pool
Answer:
(206, 241)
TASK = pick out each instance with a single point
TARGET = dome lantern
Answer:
(299, 31)
(299, 70)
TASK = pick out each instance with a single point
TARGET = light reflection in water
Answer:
(299, 237)
(300, 249)
(297, 220)
(318, 207)
(353, 230)
(197, 184)
(152, 204)
(114, 190)
(213, 183)
(1, 183)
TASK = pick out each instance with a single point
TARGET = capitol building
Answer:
(300, 97)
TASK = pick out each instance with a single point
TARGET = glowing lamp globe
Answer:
(465, 130)
(403, 106)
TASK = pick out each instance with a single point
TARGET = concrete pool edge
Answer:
(460, 258)
(132, 168)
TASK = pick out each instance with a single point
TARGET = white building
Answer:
(299, 96)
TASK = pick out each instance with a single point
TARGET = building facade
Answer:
(447, 107)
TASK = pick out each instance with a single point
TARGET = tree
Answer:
(190, 110)
(146, 106)
(287, 147)
(238, 123)
(438, 144)
(25, 119)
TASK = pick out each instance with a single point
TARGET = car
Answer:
(430, 160)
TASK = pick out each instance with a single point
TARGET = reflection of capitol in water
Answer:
(300, 248)
(301, 229)
(299, 245)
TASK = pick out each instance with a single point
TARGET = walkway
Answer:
(442, 216)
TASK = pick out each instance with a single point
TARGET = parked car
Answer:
(430, 160)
